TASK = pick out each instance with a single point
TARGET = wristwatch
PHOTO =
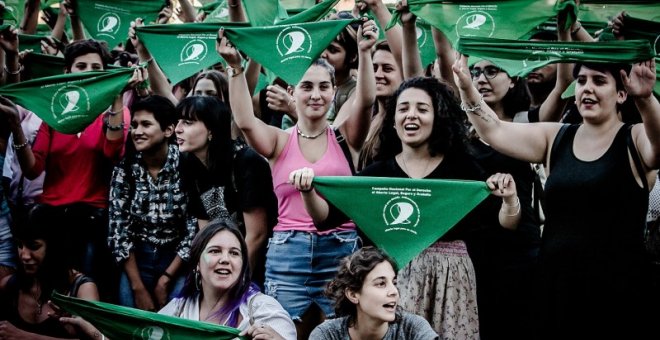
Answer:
(234, 71)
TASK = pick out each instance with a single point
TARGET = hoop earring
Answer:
(198, 279)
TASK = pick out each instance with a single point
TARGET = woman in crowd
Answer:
(44, 267)
(218, 287)
(223, 181)
(150, 228)
(424, 136)
(299, 284)
(591, 256)
(366, 301)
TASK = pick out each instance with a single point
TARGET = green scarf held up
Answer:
(571, 9)
(13, 12)
(182, 50)
(110, 20)
(293, 47)
(599, 12)
(403, 216)
(312, 14)
(495, 19)
(119, 322)
(258, 12)
(69, 103)
(519, 58)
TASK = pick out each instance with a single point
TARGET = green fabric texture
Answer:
(13, 12)
(519, 58)
(69, 103)
(294, 47)
(425, 42)
(495, 19)
(403, 216)
(182, 50)
(37, 65)
(258, 12)
(598, 13)
(110, 20)
(312, 14)
(571, 10)
(119, 322)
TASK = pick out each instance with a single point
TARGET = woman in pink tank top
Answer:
(301, 258)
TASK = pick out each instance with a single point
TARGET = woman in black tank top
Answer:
(593, 278)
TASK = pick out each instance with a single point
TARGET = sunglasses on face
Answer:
(489, 71)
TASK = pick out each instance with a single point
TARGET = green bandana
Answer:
(37, 65)
(183, 49)
(110, 20)
(571, 10)
(13, 12)
(598, 13)
(519, 58)
(403, 216)
(258, 12)
(294, 47)
(69, 103)
(311, 14)
(119, 322)
(425, 42)
(496, 19)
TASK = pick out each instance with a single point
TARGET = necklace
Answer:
(36, 297)
(405, 167)
(301, 134)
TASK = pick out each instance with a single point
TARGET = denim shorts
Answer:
(8, 250)
(299, 265)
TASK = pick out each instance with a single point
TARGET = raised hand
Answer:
(641, 81)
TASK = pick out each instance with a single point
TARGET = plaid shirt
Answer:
(150, 210)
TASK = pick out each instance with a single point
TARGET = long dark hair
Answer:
(351, 274)
(54, 271)
(240, 292)
(449, 124)
(219, 81)
(217, 118)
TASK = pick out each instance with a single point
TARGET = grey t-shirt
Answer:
(407, 327)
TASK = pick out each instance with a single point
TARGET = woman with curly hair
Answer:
(366, 302)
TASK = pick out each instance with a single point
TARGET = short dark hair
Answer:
(82, 47)
(162, 108)
(449, 123)
(352, 272)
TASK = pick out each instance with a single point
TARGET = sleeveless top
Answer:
(50, 326)
(292, 213)
(592, 269)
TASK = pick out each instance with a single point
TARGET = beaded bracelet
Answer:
(115, 127)
(474, 108)
(20, 146)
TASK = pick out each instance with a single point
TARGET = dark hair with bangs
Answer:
(449, 133)
(219, 81)
(352, 272)
(82, 47)
(217, 118)
(612, 68)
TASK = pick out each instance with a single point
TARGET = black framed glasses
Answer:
(489, 71)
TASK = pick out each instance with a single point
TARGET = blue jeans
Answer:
(8, 253)
(151, 262)
(299, 265)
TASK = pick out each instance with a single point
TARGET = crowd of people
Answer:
(197, 199)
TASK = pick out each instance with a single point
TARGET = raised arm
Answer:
(266, 140)
(76, 24)
(30, 19)
(640, 85)
(187, 11)
(157, 79)
(383, 15)
(526, 142)
(444, 57)
(412, 62)
(12, 67)
(552, 107)
(356, 125)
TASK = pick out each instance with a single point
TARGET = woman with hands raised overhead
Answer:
(591, 258)
(313, 143)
